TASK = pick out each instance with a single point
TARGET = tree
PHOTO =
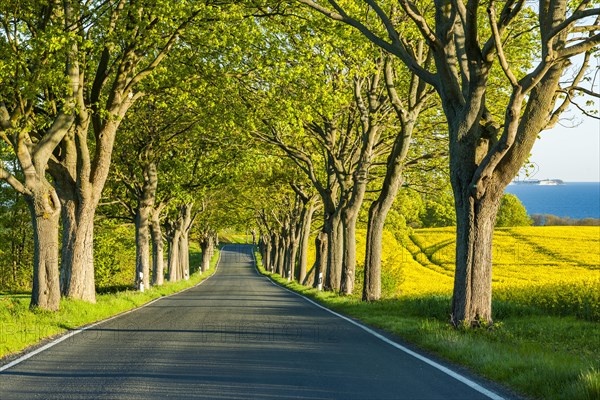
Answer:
(487, 149)
(125, 42)
(40, 75)
(512, 212)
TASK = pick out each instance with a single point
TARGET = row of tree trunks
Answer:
(284, 245)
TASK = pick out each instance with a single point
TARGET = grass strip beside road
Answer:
(536, 355)
(21, 328)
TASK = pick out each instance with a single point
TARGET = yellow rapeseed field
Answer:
(556, 269)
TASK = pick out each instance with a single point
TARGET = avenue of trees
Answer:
(301, 120)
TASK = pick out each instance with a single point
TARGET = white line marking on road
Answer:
(447, 371)
(79, 330)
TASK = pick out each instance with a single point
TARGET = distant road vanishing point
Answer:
(236, 336)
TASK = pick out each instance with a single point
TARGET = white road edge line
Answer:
(79, 330)
(475, 386)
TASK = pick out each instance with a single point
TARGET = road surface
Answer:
(236, 336)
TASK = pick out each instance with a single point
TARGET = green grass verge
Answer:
(21, 327)
(540, 356)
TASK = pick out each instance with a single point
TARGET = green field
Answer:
(546, 303)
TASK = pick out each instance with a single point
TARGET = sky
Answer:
(571, 150)
(570, 154)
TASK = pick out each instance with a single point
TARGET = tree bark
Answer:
(77, 263)
(145, 207)
(206, 245)
(349, 257)
(378, 212)
(372, 272)
(158, 262)
(281, 255)
(293, 245)
(184, 255)
(45, 212)
(320, 265)
(267, 252)
(274, 252)
(472, 298)
(173, 235)
(335, 251)
(142, 246)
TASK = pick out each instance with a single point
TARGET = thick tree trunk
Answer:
(266, 256)
(184, 256)
(335, 250)
(207, 249)
(173, 255)
(472, 299)
(349, 256)
(77, 263)
(320, 265)
(158, 262)
(307, 216)
(45, 212)
(372, 272)
(146, 200)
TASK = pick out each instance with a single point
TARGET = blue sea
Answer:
(573, 199)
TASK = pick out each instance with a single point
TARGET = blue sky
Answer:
(570, 154)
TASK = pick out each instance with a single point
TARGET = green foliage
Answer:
(438, 210)
(114, 254)
(512, 212)
(16, 242)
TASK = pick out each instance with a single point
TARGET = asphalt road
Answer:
(236, 336)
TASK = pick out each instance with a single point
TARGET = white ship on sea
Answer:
(542, 182)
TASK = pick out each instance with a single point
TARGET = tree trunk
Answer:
(274, 252)
(207, 248)
(146, 200)
(158, 262)
(173, 254)
(381, 206)
(266, 252)
(281, 255)
(472, 298)
(349, 257)
(292, 258)
(186, 220)
(335, 249)
(377, 215)
(320, 265)
(307, 216)
(45, 212)
(184, 255)
(372, 272)
(77, 263)
(142, 246)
